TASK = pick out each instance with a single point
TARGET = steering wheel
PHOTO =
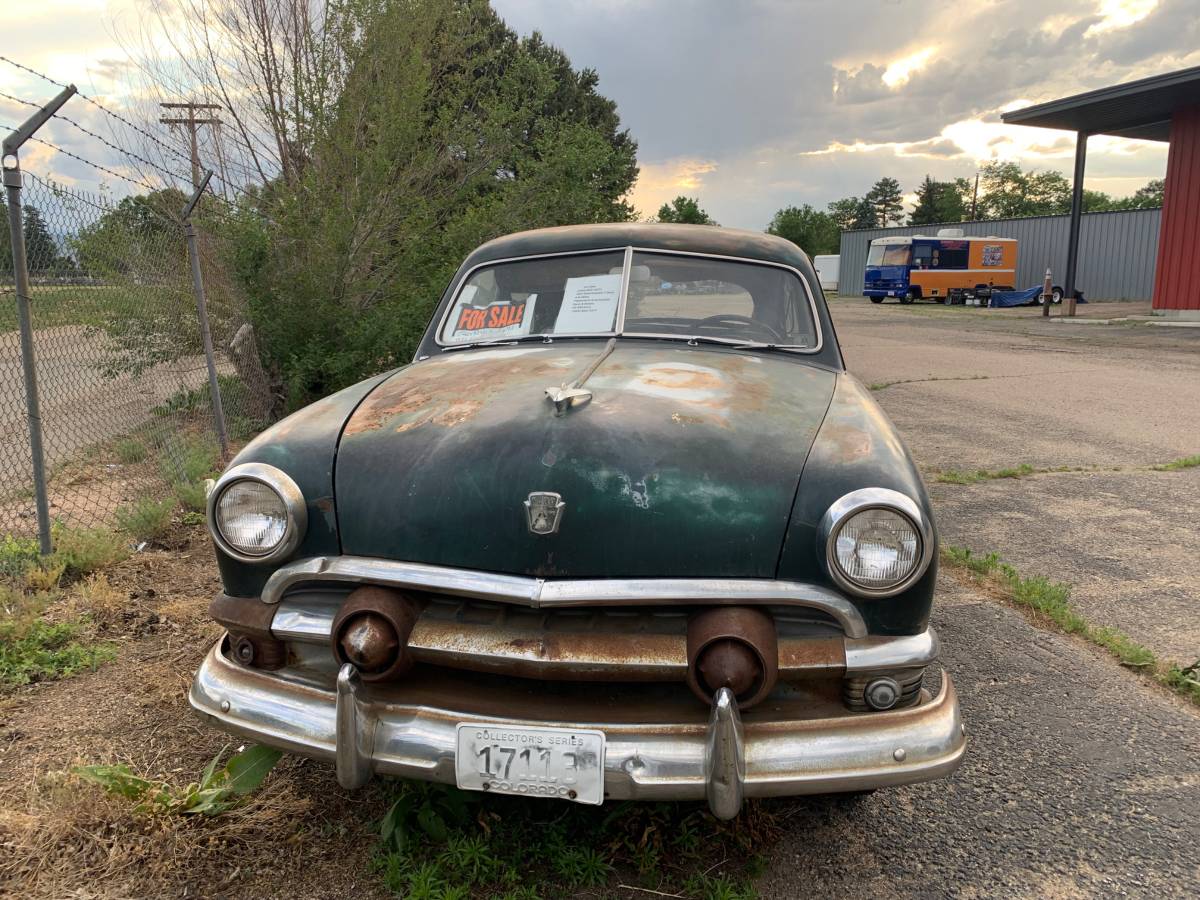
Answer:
(722, 318)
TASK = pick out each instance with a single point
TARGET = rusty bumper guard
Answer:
(364, 731)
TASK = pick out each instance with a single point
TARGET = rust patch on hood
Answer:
(451, 390)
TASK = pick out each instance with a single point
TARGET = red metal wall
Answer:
(1177, 276)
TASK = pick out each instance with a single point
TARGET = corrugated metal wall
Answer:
(1117, 251)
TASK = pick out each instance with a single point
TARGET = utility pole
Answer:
(975, 200)
(192, 122)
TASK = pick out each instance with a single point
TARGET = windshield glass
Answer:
(888, 254)
(575, 294)
(696, 296)
(668, 295)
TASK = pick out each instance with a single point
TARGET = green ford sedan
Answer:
(624, 528)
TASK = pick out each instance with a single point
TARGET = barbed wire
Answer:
(179, 153)
(236, 189)
(19, 100)
(86, 162)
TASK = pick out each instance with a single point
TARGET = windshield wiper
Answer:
(730, 342)
(501, 342)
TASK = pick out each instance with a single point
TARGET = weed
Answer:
(193, 495)
(217, 791)
(953, 476)
(719, 888)
(130, 450)
(191, 462)
(1184, 462)
(193, 517)
(17, 556)
(880, 385)
(581, 867)
(436, 840)
(147, 519)
(46, 575)
(1051, 600)
(39, 651)
(82, 551)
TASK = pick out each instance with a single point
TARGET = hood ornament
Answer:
(567, 395)
(543, 512)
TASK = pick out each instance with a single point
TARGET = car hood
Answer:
(685, 462)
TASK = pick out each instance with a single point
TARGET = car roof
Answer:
(709, 239)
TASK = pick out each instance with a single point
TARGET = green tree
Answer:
(684, 211)
(852, 213)
(809, 229)
(1009, 192)
(1150, 195)
(444, 131)
(939, 201)
(132, 238)
(41, 251)
(887, 200)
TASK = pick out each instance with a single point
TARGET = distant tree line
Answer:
(42, 252)
(1006, 191)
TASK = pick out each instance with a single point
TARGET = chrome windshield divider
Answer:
(541, 593)
(623, 296)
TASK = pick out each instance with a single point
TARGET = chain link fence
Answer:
(127, 416)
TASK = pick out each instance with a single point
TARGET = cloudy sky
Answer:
(756, 104)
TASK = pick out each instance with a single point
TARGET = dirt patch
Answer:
(61, 837)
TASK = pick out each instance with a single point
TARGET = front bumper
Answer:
(654, 751)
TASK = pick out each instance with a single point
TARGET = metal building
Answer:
(1160, 108)
(1117, 250)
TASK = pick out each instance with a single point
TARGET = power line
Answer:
(123, 151)
(98, 106)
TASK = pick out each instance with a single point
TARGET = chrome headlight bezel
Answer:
(293, 503)
(862, 500)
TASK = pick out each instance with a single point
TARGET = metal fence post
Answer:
(214, 386)
(16, 232)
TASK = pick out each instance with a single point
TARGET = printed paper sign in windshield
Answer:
(589, 305)
(490, 321)
(993, 254)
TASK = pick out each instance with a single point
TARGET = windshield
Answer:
(888, 254)
(668, 296)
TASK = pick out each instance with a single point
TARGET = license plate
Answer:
(563, 763)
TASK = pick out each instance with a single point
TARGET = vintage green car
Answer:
(625, 528)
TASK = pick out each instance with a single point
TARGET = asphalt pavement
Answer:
(1081, 779)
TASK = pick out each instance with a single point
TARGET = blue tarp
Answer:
(1001, 299)
(1013, 298)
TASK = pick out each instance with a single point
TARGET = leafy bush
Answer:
(147, 519)
(217, 791)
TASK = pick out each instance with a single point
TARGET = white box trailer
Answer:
(827, 266)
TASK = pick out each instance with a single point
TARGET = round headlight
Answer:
(877, 549)
(252, 517)
(877, 542)
(257, 513)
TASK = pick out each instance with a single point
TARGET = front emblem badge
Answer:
(543, 512)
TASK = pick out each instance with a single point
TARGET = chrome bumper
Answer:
(722, 758)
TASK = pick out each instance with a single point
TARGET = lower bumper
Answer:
(367, 730)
